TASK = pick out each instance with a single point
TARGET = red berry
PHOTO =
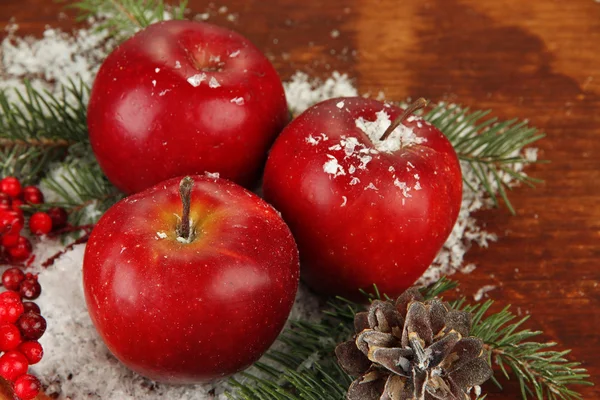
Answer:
(10, 312)
(40, 223)
(59, 217)
(21, 251)
(27, 387)
(13, 364)
(16, 204)
(10, 240)
(32, 350)
(9, 297)
(30, 306)
(10, 337)
(12, 278)
(31, 325)
(11, 222)
(5, 202)
(30, 289)
(11, 186)
(32, 195)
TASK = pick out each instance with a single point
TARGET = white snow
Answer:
(196, 80)
(303, 91)
(402, 136)
(238, 100)
(332, 166)
(482, 291)
(213, 83)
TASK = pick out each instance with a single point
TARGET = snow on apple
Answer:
(403, 193)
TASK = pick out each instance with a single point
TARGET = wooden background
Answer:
(538, 60)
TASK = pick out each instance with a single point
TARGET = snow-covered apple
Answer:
(189, 303)
(364, 210)
(181, 98)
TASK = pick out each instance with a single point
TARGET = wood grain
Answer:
(527, 59)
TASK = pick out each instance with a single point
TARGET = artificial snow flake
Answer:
(213, 83)
(196, 80)
(400, 137)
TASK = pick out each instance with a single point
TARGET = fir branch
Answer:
(123, 18)
(542, 373)
(307, 369)
(492, 148)
(41, 119)
(82, 189)
(39, 128)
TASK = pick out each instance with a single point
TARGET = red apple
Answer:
(181, 98)
(189, 307)
(364, 211)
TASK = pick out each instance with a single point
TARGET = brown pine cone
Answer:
(412, 349)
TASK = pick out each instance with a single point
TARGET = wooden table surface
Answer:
(538, 60)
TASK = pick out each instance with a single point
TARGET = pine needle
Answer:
(307, 369)
(123, 18)
(493, 149)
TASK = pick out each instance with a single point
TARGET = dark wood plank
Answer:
(527, 59)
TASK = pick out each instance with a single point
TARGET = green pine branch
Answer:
(122, 18)
(492, 148)
(38, 128)
(82, 189)
(306, 368)
(542, 373)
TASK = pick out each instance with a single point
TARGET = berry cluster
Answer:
(15, 247)
(21, 325)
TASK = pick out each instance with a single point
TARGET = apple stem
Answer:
(417, 105)
(185, 191)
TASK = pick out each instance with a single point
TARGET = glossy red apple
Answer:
(189, 307)
(181, 98)
(364, 211)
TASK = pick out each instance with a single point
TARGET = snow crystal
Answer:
(344, 201)
(238, 100)
(340, 104)
(482, 291)
(404, 187)
(400, 137)
(302, 91)
(177, 65)
(332, 166)
(196, 80)
(213, 83)
(161, 235)
(213, 175)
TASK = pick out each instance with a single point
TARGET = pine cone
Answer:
(413, 350)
